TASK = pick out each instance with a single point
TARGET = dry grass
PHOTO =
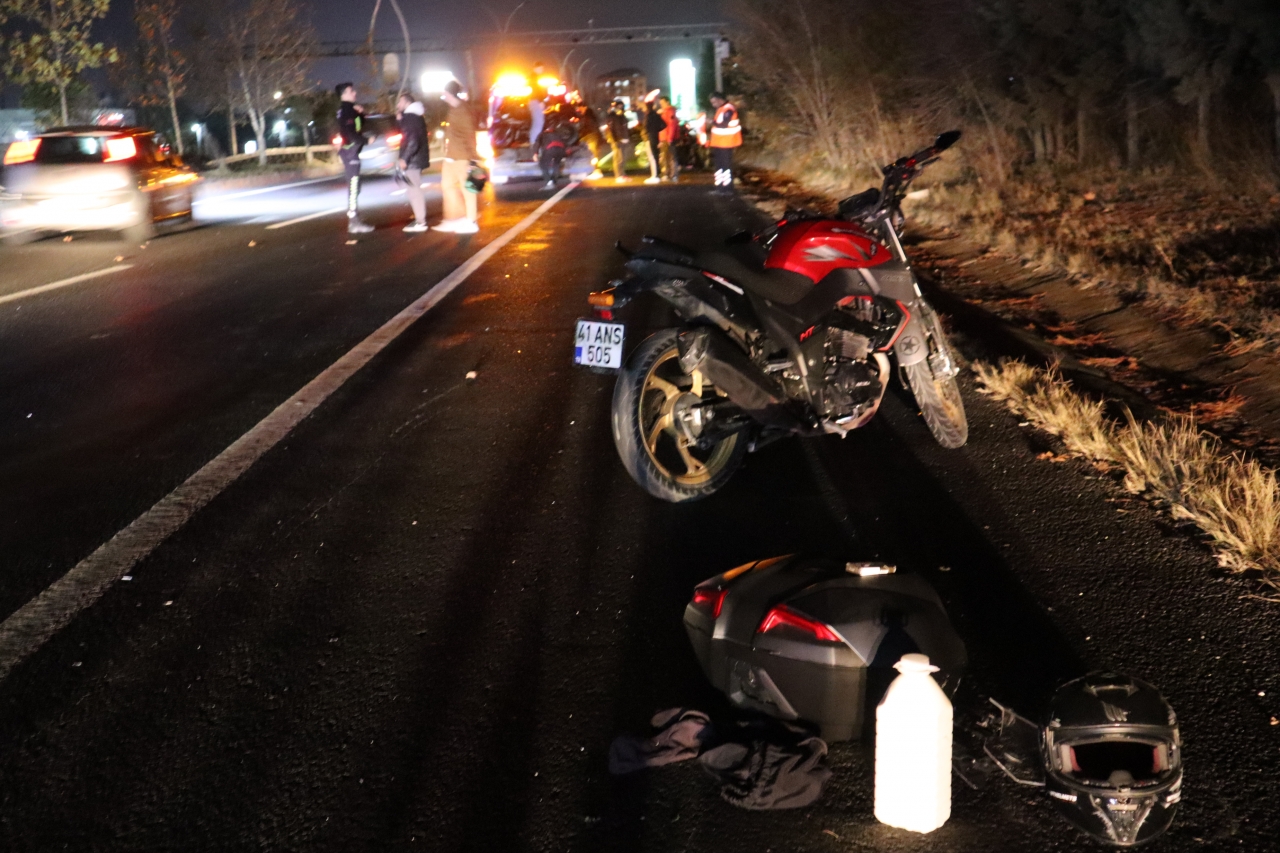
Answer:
(1234, 500)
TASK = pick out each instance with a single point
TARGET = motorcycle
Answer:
(793, 330)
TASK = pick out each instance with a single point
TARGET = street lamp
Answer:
(281, 128)
(198, 130)
(278, 95)
(433, 80)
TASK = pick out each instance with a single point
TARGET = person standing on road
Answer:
(589, 134)
(726, 135)
(351, 128)
(670, 136)
(460, 155)
(653, 127)
(619, 130)
(552, 150)
(414, 157)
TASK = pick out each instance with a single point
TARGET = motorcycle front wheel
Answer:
(651, 390)
(938, 395)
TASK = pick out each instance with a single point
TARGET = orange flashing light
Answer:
(121, 148)
(513, 84)
(601, 299)
(21, 151)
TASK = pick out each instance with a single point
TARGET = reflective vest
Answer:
(726, 130)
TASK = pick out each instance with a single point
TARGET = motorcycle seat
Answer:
(781, 286)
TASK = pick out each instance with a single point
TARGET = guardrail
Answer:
(309, 151)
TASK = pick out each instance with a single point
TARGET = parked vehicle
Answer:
(815, 640)
(92, 178)
(508, 150)
(794, 330)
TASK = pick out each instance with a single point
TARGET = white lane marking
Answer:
(306, 218)
(66, 282)
(33, 624)
(248, 193)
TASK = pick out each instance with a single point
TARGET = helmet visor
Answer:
(1115, 762)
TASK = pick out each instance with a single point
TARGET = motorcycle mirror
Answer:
(946, 140)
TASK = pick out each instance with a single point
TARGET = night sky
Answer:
(336, 20)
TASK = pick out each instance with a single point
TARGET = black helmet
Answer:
(1113, 757)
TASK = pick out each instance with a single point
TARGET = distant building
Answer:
(629, 84)
(17, 124)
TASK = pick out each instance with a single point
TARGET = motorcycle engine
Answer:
(852, 378)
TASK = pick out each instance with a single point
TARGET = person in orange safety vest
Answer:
(726, 135)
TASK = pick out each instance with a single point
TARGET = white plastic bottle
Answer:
(913, 749)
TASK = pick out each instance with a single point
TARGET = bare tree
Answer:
(267, 46)
(60, 48)
(163, 67)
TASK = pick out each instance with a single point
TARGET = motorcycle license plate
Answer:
(598, 344)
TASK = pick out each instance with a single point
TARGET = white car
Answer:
(92, 179)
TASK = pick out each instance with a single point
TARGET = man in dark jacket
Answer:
(351, 128)
(414, 157)
(552, 148)
(654, 125)
(619, 138)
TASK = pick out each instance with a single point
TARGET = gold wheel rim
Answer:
(665, 385)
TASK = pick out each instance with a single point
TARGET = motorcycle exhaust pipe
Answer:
(710, 351)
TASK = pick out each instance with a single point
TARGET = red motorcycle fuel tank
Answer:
(813, 248)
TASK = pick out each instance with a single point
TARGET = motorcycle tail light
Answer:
(784, 617)
(710, 599)
(336, 141)
(601, 298)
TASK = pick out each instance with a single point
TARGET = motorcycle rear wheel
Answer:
(657, 456)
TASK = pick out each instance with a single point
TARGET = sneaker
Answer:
(623, 180)
(595, 176)
(549, 185)
(355, 225)
(466, 226)
(653, 180)
(416, 227)
(449, 225)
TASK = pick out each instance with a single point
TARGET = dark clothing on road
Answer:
(681, 736)
(764, 774)
(414, 149)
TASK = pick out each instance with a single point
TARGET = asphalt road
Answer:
(418, 621)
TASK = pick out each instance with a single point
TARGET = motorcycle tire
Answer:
(650, 386)
(940, 404)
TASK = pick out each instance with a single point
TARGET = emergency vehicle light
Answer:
(512, 84)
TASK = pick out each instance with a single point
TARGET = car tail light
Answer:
(710, 599)
(337, 140)
(121, 148)
(784, 617)
(21, 151)
(394, 140)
